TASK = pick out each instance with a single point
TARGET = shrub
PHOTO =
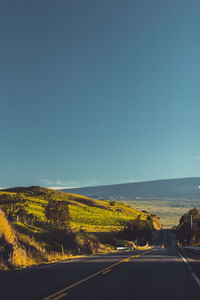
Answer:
(188, 230)
(57, 212)
(141, 230)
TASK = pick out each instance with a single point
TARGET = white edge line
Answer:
(196, 278)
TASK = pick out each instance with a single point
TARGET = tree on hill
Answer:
(22, 213)
(57, 213)
(11, 204)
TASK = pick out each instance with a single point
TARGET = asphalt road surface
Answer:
(158, 273)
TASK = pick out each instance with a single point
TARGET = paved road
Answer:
(158, 273)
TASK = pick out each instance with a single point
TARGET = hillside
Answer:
(86, 213)
(16, 249)
(184, 188)
(27, 237)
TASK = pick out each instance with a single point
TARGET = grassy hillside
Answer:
(29, 238)
(86, 213)
(21, 250)
(169, 199)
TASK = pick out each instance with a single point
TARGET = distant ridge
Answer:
(179, 188)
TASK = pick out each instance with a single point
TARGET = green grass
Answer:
(93, 223)
(28, 228)
(86, 214)
(97, 216)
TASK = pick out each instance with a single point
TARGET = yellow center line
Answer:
(106, 271)
(51, 297)
(60, 296)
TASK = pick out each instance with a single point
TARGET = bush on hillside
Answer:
(11, 204)
(140, 230)
(57, 213)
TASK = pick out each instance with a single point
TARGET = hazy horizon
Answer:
(77, 187)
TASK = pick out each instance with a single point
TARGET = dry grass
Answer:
(6, 230)
(17, 247)
(17, 256)
(26, 251)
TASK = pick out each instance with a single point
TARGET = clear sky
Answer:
(98, 92)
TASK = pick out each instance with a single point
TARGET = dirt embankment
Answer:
(17, 250)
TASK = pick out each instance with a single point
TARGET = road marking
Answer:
(196, 278)
(106, 272)
(60, 296)
(53, 296)
(126, 260)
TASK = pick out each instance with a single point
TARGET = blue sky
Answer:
(98, 92)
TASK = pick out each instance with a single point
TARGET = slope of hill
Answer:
(27, 237)
(17, 250)
(184, 188)
(86, 213)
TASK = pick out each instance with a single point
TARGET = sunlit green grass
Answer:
(97, 216)
(85, 213)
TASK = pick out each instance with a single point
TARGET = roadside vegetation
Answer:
(40, 225)
(169, 210)
(188, 230)
(140, 230)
